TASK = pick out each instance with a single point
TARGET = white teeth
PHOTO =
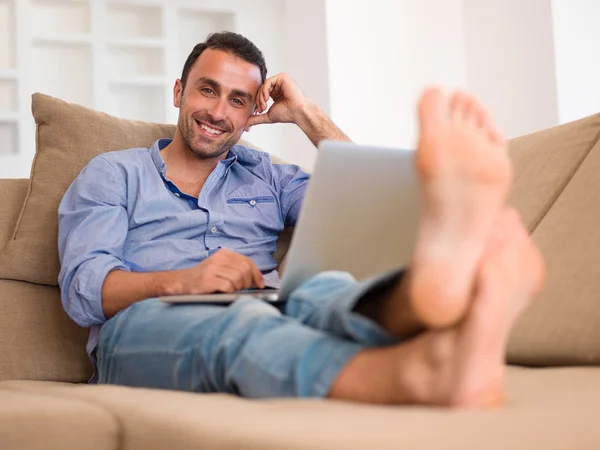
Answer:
(210, 130)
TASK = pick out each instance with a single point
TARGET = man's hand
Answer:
(224, 271)
(288, 101)
(290, 105)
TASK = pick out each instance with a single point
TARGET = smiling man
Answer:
(199, 213)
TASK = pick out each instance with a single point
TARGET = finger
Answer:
(255, 274)
(255, 277)
(223, 285)
(251, 274)
(265, 93)
(244, 266)
(258, 278)
(257, 119)
(242, 271)
(233, 275)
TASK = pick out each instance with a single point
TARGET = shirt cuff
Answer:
(88, 286)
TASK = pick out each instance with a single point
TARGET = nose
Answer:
(218, 109)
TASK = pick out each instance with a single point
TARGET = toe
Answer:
(433, 108)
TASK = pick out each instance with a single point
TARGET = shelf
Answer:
(136, 42)
(134, 21)
(8, 117)
(60, 17)
(7, 35)
(66, 39)
(138, 102)
(71, 80)
(194, 26)
(138, 81)
(8, 97)
(8, 74)
(134, 62)
(8, 137)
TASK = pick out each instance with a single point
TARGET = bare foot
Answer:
(470, 358)
(461, 366)
(465, 175)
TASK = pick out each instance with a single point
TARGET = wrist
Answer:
(166, 283)
(308, 115)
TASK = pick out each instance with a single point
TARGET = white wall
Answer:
(381, 55)
(261, 22)
(510, 62)
(305, 59)
(577, 44)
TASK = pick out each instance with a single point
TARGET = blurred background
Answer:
(533, 62)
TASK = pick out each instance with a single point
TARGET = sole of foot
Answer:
(465, 174)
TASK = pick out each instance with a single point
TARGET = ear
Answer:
(177, 92)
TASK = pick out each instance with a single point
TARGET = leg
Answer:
(249, 348)
(328, 302)
(462, 365)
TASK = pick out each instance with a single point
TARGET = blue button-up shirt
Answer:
(122, 212)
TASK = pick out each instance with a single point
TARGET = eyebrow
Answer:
(214, 84)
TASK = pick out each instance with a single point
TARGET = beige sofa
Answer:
(44, 401)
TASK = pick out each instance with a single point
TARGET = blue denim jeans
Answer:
(251, 348)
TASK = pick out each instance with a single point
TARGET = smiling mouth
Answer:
(209, 130)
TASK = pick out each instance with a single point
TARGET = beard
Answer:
(201, 146)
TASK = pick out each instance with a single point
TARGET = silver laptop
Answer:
(359, 215)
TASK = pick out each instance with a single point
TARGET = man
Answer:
(199, 214)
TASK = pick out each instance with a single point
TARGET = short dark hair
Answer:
(227, 41)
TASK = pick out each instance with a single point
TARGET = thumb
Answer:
(257, 119)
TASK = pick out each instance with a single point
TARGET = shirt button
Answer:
(213, 230)
(177, 194)
(252, 202)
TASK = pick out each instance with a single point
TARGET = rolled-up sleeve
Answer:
(92, 228)
(292, 181)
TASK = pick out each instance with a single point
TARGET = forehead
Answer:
(230, 71)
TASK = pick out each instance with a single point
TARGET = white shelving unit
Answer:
(116, 56)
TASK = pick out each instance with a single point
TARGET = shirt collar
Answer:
(160, 144)
(155, 154)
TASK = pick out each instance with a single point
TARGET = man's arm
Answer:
(95, 280)
(317, 125)
(224, 271)
(92, 228)
(290, 105)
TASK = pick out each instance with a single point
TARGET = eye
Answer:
(207, 90)
(237, 102)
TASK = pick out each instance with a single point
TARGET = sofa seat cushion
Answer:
(31, 419)
(548, 408)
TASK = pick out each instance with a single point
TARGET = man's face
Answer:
(218, 99)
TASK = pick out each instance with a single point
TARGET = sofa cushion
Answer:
(68, 137)
(544, 163)
(551, 409)
(38, 340)
(12, 196)
(563, 324)
(31, 420)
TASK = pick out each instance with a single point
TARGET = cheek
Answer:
(239, 119)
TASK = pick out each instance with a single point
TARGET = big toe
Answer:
(433, 108)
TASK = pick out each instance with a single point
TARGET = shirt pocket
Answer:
(252, 202)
